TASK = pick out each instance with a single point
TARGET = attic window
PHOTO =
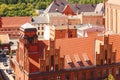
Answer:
(56, 10)
(62, 3)
(77, 59)
(57, 4)
(68, 59)
(85, 57)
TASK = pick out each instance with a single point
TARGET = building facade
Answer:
(10, 25)
(113, 16)
(64, 59)
(61, 32)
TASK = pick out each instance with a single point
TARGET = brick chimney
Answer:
(54, 1)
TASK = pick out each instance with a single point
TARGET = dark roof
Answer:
(59, 6)
(78, 8)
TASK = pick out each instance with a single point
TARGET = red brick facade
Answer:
(53, 60)
(62, 32)
(93, 19)
(10, 25)
(68, 11)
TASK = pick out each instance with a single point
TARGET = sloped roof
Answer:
(14, 21)
(4, 38)
(27, 27)
(78, 46)
(44, 18)
(99, 8)
(59, 6)
(83, 49)
(78, 8)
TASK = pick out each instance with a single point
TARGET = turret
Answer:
(28, 34)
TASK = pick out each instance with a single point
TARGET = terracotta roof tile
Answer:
(81, 46)
(14, 21)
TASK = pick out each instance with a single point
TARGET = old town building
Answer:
(92, 18)
(65, 31)
(91, 58)
(113, 16)
(4, 44)
(62, 6)
(10, 25)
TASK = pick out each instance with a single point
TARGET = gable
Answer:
(67, 10)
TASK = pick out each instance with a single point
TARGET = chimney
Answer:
(61, 1)
(54, 1)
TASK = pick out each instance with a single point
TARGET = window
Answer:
(56, 67)
(42, 28)
(77, 59)
(47, 68)
(42, 33)
(38, 33)
(58, 77)
(91, 75)
(101, 62)
(109, 61)
(52, 78)
(105, 73)
(99, 74)
(68, 59)
(75, 77)
(44, 78)
(38, 28)
(83, 76)
(52, 60)
(67, 77)
(105, 56)
(117, 71)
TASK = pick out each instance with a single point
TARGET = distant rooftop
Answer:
(43, 18)
(92, 14)
(59, 6)
(4, 38)
(90, 27)
(14, 21)
(64, 27)
(27, 27)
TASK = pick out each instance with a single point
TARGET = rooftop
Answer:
(60, 5)
(4, 38)
(27, 26)
(14, 21)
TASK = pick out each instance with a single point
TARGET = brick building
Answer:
(39, 22)
(92, 18)
(62, 6)
(4, 44)
(113, 16)
(66, 59)
(60, 32)
(86, 30)
(10, 25)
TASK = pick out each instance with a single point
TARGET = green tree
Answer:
(110, 77)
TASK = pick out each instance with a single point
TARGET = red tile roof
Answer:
(81, 51)
(83, 47)
(14, 21)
